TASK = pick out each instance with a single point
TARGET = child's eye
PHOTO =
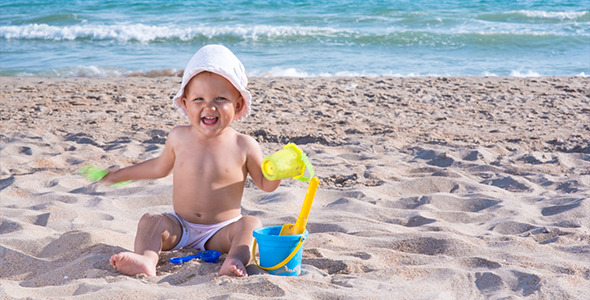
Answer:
(198, 99)
(221, 99)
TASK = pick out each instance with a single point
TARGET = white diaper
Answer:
(196, 235)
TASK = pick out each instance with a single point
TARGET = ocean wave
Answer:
(262, 34)
(293, 72)
(529, 73)
(536, 16)
(54, 19)
(560, 15)
(93, 71)
(83, 71)
(148, 33)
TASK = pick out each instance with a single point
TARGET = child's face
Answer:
(211, 102)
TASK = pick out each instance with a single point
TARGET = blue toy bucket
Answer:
(279, 254)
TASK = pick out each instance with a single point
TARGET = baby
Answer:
(209, 161)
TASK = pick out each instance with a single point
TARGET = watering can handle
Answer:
(281, 264)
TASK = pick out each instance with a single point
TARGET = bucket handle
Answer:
(284, 262)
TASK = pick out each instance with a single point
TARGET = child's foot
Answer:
(130, 263)
(233, 266)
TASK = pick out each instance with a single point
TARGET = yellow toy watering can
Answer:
(286, 163)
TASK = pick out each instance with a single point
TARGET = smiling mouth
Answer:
(209, 120)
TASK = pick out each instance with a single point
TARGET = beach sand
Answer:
(430, 187)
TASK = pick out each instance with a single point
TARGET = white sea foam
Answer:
(528, 73)
(138, 32)
(489, 74)
(293, 72)
(96, 71)
(150, 33)
(146, 33)
(564, 15)
(85, 71)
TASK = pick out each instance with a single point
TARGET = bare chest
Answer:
(221, 165)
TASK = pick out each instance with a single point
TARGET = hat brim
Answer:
(177, 100)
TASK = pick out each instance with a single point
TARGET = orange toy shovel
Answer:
(299, 226)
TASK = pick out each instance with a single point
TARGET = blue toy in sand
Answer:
(210, 256)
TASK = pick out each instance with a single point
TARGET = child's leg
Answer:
(235, 239)
(154, 233)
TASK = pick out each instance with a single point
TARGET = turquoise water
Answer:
(298, 38)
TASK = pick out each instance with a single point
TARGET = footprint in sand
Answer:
(563, 206)
(9, 226)
(323, 227)
(512, 227)
(452, 203)
(418, 220)
(6, 182)
(42, 219)
(330, 266)
(432, 246)
(478, 262)
(509, 183)
(526, 283)
(488, 283)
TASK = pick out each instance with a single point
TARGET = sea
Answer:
(112, 38)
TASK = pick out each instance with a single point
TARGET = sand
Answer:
(430, 188)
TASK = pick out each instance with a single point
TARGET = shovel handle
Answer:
(309, 196)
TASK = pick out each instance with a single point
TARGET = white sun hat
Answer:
(220, 60)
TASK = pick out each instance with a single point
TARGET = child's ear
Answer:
(240, 104)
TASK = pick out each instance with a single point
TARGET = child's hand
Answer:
(112, 179)
(102, 176)
(109, 178)
(93, 173)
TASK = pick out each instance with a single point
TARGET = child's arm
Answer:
(253, 162)
(150, 169)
